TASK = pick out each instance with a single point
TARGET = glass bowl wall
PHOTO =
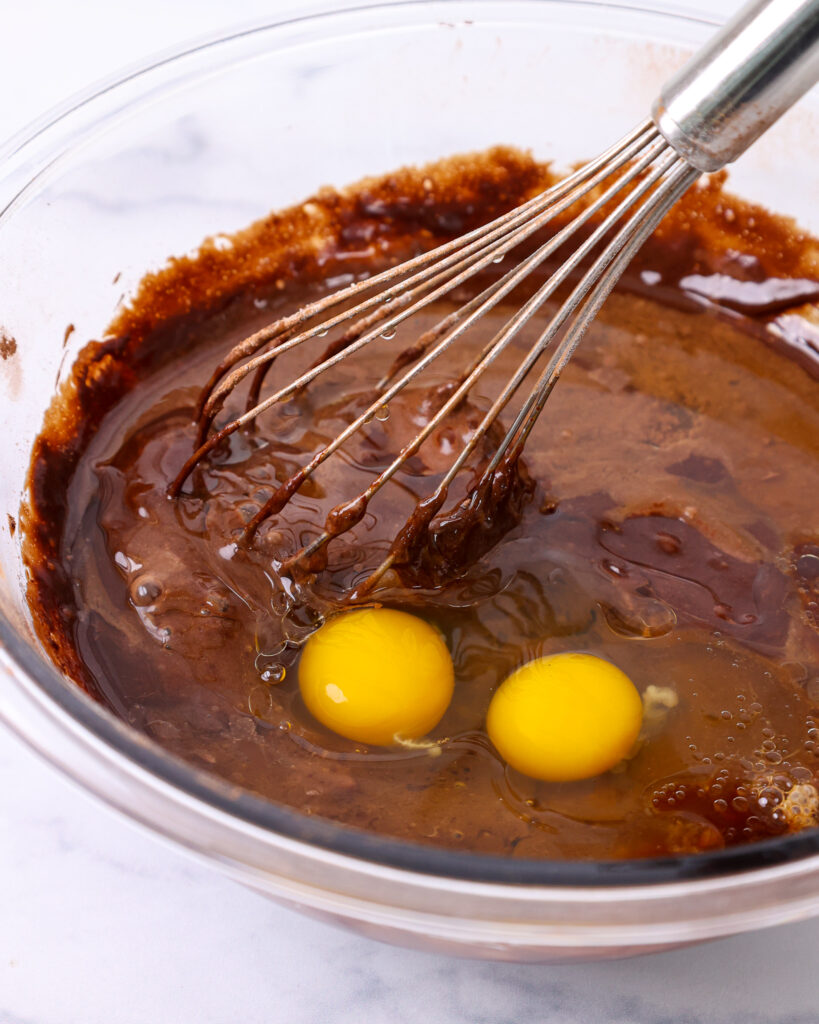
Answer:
(208, 139)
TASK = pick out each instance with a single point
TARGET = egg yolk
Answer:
(377, 675)
(565, 717)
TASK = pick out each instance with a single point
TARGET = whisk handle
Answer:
(743, 80)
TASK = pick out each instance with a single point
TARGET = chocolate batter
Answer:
(664, 518)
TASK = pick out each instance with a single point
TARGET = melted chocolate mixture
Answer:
(664, 518)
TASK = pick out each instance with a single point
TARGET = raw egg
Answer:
(565, 717)
(377, 676)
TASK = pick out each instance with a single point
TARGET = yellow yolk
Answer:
(565, 717)
(377, 674)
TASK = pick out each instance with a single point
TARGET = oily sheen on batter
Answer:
(664, 519)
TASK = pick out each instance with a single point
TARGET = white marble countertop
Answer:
(102, 924)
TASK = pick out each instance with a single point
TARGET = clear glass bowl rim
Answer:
(279, 820)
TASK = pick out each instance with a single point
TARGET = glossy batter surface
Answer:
(666, 521)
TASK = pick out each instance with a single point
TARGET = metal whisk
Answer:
(705, 117)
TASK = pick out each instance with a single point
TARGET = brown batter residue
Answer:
(664, 517)
(8, 346)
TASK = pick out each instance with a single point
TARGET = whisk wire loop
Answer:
(477, 308)
(588, 296)
(621, 196)
(452, 263)
(498, 343)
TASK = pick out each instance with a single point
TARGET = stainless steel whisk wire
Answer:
(705, 116)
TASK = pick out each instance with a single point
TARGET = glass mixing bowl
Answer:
(209, 138)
